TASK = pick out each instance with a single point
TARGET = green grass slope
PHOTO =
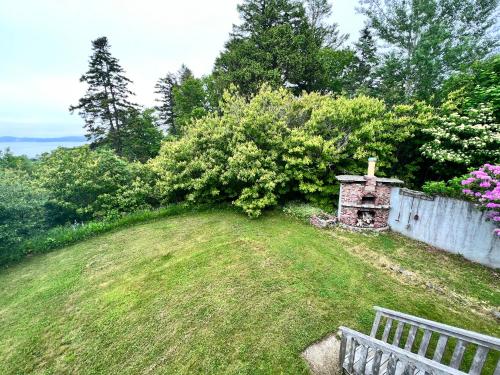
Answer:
(215, 292)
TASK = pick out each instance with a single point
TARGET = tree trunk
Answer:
(117, 138)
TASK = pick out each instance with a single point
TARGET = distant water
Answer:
(34, 149)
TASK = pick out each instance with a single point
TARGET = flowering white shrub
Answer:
(484, 186)
(470, 138)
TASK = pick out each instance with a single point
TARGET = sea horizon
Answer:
(33, 147)
(66, 138)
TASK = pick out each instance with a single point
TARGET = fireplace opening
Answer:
(368, 199)
(366, 218)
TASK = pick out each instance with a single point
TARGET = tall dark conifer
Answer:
(364, 79)
(167, 89)
(287, 43)
(184, 74)
(274, 43)
(106, 102)
(318, 12)
(165, 108)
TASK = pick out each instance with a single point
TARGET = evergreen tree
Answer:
(184, 74)
(142, 136)
(432, 38)
(189, 102)
(165, 108)
(318, 13)
(392, 76)
(364, 79)
(107, 97)
(182, 97)
(336, 67)
(275, 43)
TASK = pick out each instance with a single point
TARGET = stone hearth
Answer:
(364, 201)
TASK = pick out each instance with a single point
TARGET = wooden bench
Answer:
(400, 344)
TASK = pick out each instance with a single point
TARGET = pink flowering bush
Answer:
(483, 186)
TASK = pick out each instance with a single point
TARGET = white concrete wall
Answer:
(450, 224)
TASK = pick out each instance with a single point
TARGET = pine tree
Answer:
(179, 94)
(165, 109)
(190, 102)
(364, 79)
(107, 97)
(275, 43)
(184, 74)
(142, 136)
(318, 13)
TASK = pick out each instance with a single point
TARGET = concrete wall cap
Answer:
(357, 178)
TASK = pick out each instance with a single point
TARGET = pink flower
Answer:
(492, 205)
(468, 181)
(485, 184)
(480, 174)
(492, 215)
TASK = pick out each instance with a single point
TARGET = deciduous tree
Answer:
(463, 138)
(431, 38)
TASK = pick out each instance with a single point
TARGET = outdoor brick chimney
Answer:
(364, 201)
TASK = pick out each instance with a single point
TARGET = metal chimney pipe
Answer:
(371, 167)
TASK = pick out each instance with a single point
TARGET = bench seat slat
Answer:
(440, 347)
(391, 365)
(387, 330)
(343, 347)
(479, 359)
(497, 369)
(458, 353)
(352, 354)
(399, 332)
(361, 367)
(377, 359)
(376, 323)
(425, 342)
(411, 338)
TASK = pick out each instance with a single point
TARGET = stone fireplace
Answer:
(364, 201)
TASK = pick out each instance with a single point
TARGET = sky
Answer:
(45, 47)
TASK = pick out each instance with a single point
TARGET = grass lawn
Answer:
(215, 292)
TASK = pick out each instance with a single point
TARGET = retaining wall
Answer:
(450, 224)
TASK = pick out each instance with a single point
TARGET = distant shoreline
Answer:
(76, 138)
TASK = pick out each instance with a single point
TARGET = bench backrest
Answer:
(361, 354)
(482, 344)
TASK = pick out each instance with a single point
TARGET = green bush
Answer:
(301, 211)
(276, 146)
(10, 161)
(61, 236)
(85, 184)
(451, 188)
(22, 209)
